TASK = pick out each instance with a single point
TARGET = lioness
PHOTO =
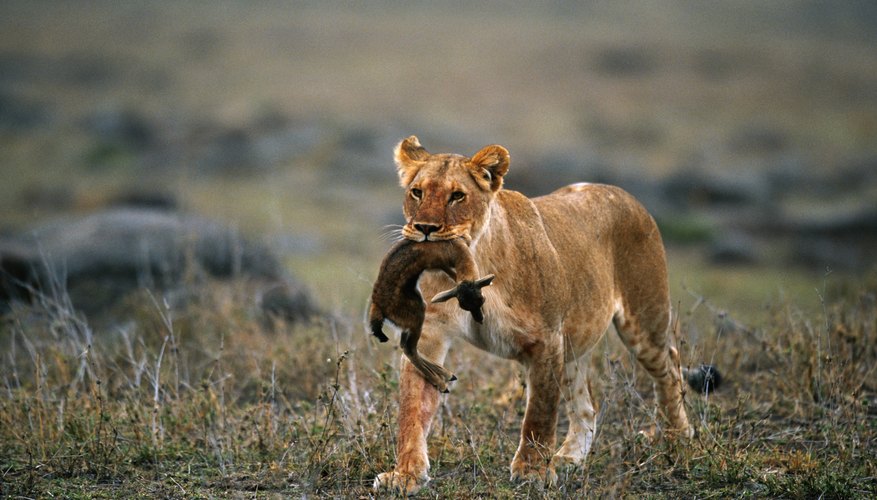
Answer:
(567, 265)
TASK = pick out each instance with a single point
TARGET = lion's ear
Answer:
(410, 156)
(492, 163)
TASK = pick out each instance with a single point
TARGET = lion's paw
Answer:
(406, 484)
(541, 472)
(653, 434)
(567, 460)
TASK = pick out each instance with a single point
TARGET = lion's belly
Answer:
(514, 332)
(584, 329)
(498, 335)
(501, 338)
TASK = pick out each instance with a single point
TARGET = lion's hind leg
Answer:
(581, 411)
(646, 336)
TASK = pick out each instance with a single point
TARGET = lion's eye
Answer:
(457, 195)
(416, 193)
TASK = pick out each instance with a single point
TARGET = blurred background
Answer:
(182, 182)
(748, 128)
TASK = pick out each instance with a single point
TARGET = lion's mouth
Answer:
(418, 236)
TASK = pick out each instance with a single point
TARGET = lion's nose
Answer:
(426, 229)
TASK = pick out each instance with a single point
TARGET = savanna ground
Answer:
(207, 400)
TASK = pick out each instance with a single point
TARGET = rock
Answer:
(140, 198)
(286, 301)
(282, 144)
(20, 114)
(695, 188)
(758, 140)
(122, 127)
(356, 169)
(85, 69)
(625, 135)
(843, 240)
(270, 140)
(834, 232)
(820, 254)
(790, 174)
(72, 68)
(719, 65)
(832, 218)
(365, 154)
(733, 248)
(626, 61)
(851, 178)
(546, 173)
(228, 150)
(201, 44)
(99, 258)
(16, 67)
(47, 197)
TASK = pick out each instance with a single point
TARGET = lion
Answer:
(395, 296)
(567, 265)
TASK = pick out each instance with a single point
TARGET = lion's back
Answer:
(596, 214)
(603, 225)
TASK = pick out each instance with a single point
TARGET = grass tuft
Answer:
(209, 400)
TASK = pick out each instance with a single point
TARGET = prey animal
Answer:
(395, 296)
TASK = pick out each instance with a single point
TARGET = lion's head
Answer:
(447, 195)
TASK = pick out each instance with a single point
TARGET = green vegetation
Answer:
(686, 229)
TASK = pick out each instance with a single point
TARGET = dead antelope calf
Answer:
(395, 296)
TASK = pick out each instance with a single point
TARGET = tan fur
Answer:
(567, 264)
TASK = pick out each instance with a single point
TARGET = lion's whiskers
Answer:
(392, 233)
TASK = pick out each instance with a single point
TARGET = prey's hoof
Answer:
(435, 374)
(441, 384)
(406, 484)
(377, 328)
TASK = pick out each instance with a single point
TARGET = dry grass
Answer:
(209, 401)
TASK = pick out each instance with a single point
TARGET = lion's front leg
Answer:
(418, 403)
(538, 432)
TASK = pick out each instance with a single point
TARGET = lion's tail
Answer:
(704, 379)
